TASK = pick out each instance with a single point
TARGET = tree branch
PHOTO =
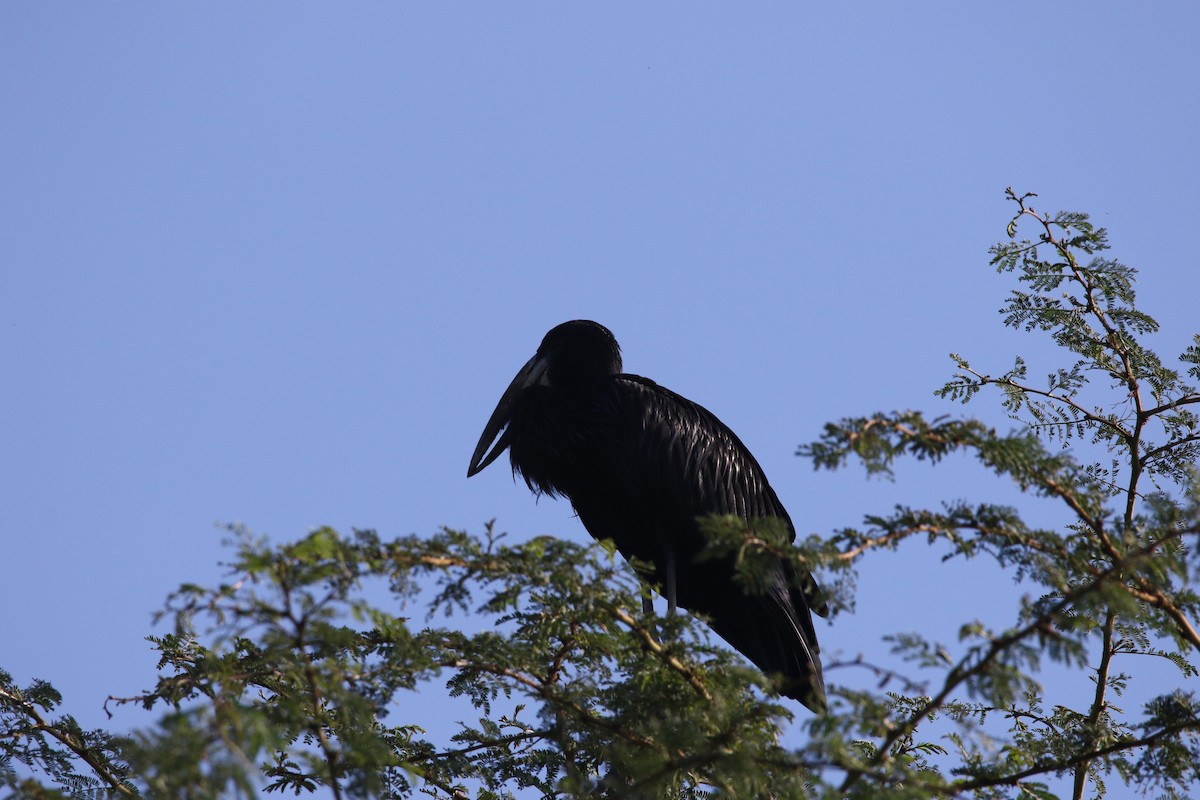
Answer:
(1098, 704)
(1126, 743)
(99, 765)
(655, 647)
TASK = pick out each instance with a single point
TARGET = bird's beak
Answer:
(532, 373)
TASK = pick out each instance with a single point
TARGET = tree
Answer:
(288, 678)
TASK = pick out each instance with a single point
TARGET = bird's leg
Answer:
(670, 583)
(648, 608)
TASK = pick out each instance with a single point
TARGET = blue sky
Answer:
(274, 264)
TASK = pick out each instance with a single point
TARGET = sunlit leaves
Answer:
(1115, 584)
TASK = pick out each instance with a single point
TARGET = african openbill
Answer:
(641, 464)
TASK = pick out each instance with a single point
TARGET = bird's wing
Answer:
(686, 457)
(679, 463)
(710, 470)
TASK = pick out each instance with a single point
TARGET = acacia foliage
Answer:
(295, 677)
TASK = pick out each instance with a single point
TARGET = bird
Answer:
(641, 465)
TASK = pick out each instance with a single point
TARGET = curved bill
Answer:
(533, 372)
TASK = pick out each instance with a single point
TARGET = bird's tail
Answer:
(795, 646)
(775, 631)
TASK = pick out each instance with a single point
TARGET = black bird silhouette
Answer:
(641, 465)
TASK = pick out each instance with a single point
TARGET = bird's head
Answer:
(571, 357)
